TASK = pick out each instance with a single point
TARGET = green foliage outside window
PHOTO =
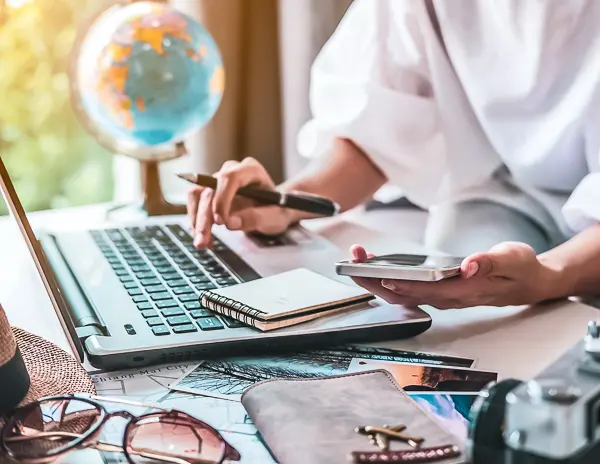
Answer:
(52, 160)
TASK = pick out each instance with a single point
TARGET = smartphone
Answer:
(428, 268)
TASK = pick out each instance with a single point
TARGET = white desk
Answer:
(516, 342)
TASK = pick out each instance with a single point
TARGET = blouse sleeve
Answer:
(582, 209)
(370, 84)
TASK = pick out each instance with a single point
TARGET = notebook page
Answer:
(293, 291)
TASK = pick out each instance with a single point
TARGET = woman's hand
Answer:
(206, 206)
(509, 274)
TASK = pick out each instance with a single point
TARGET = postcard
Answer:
(426, 377)
(228, 378)
(452, 410)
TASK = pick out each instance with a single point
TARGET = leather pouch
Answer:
(313, 421)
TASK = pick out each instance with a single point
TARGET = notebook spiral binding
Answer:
(230, 307)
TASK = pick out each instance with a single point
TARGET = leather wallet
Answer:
(313, 421)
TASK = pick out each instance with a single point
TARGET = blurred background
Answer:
(267, 45)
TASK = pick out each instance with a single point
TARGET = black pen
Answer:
(299, 201)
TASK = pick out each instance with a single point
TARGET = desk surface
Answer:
(516, 342)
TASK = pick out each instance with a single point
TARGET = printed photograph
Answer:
(451, 410)
(424, 378)
(228, 378)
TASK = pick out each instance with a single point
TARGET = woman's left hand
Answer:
(509, 274)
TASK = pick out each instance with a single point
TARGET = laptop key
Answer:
(188, 266)
(145, 275)
(178, 320)
(114, 234)
(148, 282)
(192, 272)
(169, 312)
(156, 289)
(140, 299)
(121, 272)
(165, 269)
(210, 323)
(198, 313)
(130, 285)
(144, 306)
(206, 286)
(199, 279)
(161, 296)
(126, 278)
(135, 262)
(135, 291)
(166, 304)
(232, 323)
(183, 290)
(184, 328)
(177, 283)
(148, 313)
(141, 268)
(226, 282)
(193, 305)
(171, 276)
(154, 321)
(186, 298)
(160, 330)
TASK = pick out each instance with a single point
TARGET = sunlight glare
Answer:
(17, 3)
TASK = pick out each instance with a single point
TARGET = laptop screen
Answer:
(43, 267)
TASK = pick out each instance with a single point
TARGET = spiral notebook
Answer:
(284, 299)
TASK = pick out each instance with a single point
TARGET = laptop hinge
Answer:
(87, 331)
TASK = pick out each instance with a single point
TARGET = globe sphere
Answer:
(144, 76)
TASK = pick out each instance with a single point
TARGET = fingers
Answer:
(230, 180)
(360, 254)
(192, 206)
(204, 220)
(374, 286)
(267, 220)
(501, 261)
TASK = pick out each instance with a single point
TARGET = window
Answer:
(52, 160)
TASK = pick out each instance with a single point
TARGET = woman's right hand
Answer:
(206, 206)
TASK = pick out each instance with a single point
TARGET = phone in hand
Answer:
(426, 268)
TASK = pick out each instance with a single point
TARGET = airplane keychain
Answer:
(381, 437)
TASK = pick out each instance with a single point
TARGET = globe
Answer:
(144, 76)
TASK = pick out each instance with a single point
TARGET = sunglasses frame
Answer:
(90, 438)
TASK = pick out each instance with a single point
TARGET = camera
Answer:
(553, 418)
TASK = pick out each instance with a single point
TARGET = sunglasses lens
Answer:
(49, 427)
(160, 439)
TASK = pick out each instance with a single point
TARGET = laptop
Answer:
(126, 294)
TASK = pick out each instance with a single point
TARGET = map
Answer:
(151, 386)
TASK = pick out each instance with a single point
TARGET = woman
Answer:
(485, 113)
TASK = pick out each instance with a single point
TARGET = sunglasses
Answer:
(51, 427)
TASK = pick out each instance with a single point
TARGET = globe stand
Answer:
(154, 202)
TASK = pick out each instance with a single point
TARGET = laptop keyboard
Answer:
(164, 273)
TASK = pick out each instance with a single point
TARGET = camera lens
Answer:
(485, 443)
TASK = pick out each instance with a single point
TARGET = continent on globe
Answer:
(159, 76)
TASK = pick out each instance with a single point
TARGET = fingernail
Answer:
(198, 239)
(218, 219)
(472, 269)
(388, 285)
(235, 223)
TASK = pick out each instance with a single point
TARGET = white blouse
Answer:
(515, 89)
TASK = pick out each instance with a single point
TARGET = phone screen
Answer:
(428, 261)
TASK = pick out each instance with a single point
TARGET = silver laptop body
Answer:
(127, 294)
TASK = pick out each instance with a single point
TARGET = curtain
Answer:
(268, 47)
